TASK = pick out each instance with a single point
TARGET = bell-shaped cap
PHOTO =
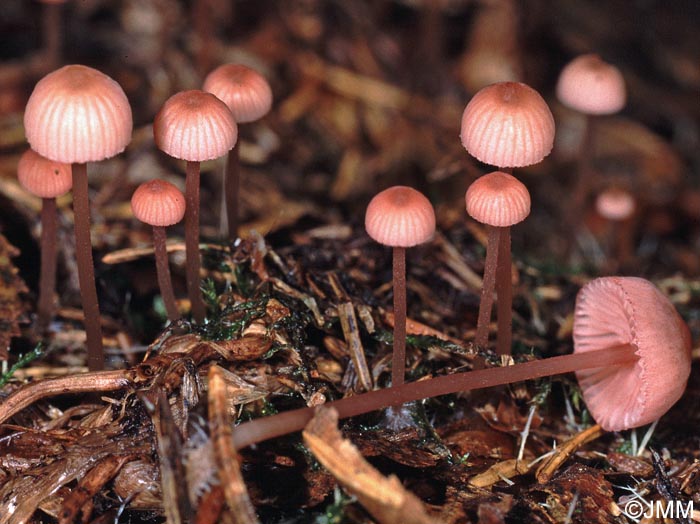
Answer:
(508, 125)
(195, 126)
(158, 203)
(498, 199)
(245, 91)
(77, 114)
(43, 177)
(400, 217)
(589, 85)
(614, 311)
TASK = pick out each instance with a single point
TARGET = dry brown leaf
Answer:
(384, 497)
(11, 286)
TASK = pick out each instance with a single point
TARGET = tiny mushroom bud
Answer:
(160, 204)
(46, 179)
(631, 357)
(194, 126)
(508, 125)
(498, 200)
(613, 311)
(75, 115)
(400, 217)
(618, 206)
(249, 97)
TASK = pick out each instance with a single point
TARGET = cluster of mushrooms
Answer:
(632, 349)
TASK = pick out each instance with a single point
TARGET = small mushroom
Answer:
(76, 115)
(592, 87)
(500, 201)
(400, 217)
(160, 204)
(47, 180)
(618, 207)
(249, 97)
(194, 126)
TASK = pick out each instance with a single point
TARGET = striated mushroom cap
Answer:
(592, 86)
(77, 114)
(43, 177)
(498, 199)
(400, 217)
(195, 126)
(158, 203)
(508, 125)
(613, 311)
(245, 91)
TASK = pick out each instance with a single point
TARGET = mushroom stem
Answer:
(398, 364)
(47, 276)
(192, 240)
(53, 37)
(488, 286)
(261, 429)
(86, 269)
(584, 175)
(504, 292)
(163, 273)
(232, 184)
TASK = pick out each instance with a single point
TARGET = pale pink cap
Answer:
(195, 126)
(615, 204)
(158, 203)
(592, 86)
(508, 125)
(400, 217)
(77, 114)
(43, 177)
(498, 199)
(245, 91)
(614, 311)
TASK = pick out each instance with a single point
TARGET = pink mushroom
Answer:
(48, 180)
(400, 217)
(160, 204)
(76, 115)
(194, 126)
(631, 356)
(249, 97)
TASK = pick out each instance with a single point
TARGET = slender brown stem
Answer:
(584, 179)
(47, 277)
(202, 22)
(163, 272)
(192, 241)
(398, 364)
(86, 269)
(258, 430)
(53, 34)
(504, 292)
(232, 184)
(488, 286)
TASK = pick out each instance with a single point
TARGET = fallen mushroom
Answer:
(631, 357)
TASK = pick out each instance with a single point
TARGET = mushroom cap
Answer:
(400, 217)
(43, 177)
(195, 126)
(508, 125)
(158, 203)
(613, 311)
(77, 114)
(245, 91)
(498, 199)
(592, 86)
(615, 204)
